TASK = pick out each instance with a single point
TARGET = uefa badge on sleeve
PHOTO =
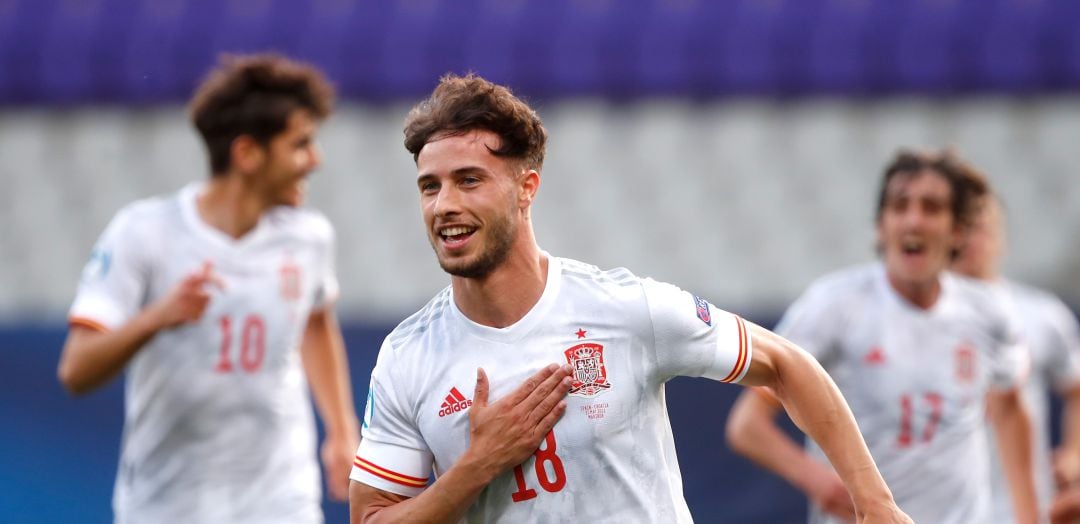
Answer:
(590, 375)
(702, 306)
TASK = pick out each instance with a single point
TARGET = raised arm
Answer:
(815, 404)
(93, 355)
(502, 435)
(327, 368)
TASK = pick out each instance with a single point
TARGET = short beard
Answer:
(502, 235)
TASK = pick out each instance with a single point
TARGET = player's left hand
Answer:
(337, 455)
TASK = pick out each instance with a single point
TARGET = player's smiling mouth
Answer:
(456, 236)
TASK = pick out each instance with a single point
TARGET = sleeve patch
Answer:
(703, 310)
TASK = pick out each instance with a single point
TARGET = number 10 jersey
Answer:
(217, 425)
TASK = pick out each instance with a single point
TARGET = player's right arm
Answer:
(815, 404)
(502, 435)
(93, 354)
(752, 431)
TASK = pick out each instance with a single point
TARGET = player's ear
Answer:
(528, 186)
(246, 154)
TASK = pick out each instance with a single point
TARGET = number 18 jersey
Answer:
(217, 424)
(611, 458)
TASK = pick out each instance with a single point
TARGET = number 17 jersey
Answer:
(916, 381)
(611, 457)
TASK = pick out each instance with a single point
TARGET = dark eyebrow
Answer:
(467, 170)
(459, 172)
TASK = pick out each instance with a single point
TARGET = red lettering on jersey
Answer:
(875, 357)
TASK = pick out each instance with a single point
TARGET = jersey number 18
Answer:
(544, 454)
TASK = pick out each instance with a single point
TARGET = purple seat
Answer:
(836, 51)
(665, 47)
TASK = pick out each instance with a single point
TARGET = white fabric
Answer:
(1051, 333)
(203, 443)
(614, 457)
(916, 381)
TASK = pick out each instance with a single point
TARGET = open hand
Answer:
(505, 433)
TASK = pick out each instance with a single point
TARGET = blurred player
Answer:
(468, 388)
(1051, 334)
(919, 355)
(221, 298)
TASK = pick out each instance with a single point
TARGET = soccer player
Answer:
(1052, 336)
(920, 355)
(532, 387)
(218, 300)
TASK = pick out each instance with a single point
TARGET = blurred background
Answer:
(732, 147)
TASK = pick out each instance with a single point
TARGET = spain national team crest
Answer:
(590, 376)
(290, 281)
(965, 362)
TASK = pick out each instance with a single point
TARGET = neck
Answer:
(230, 206)
(507, 294)
(920, 294)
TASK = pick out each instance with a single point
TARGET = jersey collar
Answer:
(522, 327)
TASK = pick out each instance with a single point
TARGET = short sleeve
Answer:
(694, 338)
(1012, 360)
(392, 455)
(812, 322)
(327, 288)
(1063, 339)
(114, 280)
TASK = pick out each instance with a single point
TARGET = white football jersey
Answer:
(218, 424)
(916, 382)
(611, 457)
(1050, 332)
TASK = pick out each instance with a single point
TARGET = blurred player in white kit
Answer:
(218, 301)
(1051, 334)
(920, 355)
(532, 387)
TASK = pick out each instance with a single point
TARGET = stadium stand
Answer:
(729, 146)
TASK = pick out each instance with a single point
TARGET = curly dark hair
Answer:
(968, 184)
(254, 95)
(461, 104)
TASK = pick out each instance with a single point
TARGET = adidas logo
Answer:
(454, 403)
(876, 356)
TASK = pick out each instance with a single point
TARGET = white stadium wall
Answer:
(744, 202)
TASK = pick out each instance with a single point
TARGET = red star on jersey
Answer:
(580, 333)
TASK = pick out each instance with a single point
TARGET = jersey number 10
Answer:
(543, 455)
(252, 344)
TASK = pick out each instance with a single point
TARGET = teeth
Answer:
(454, 231)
